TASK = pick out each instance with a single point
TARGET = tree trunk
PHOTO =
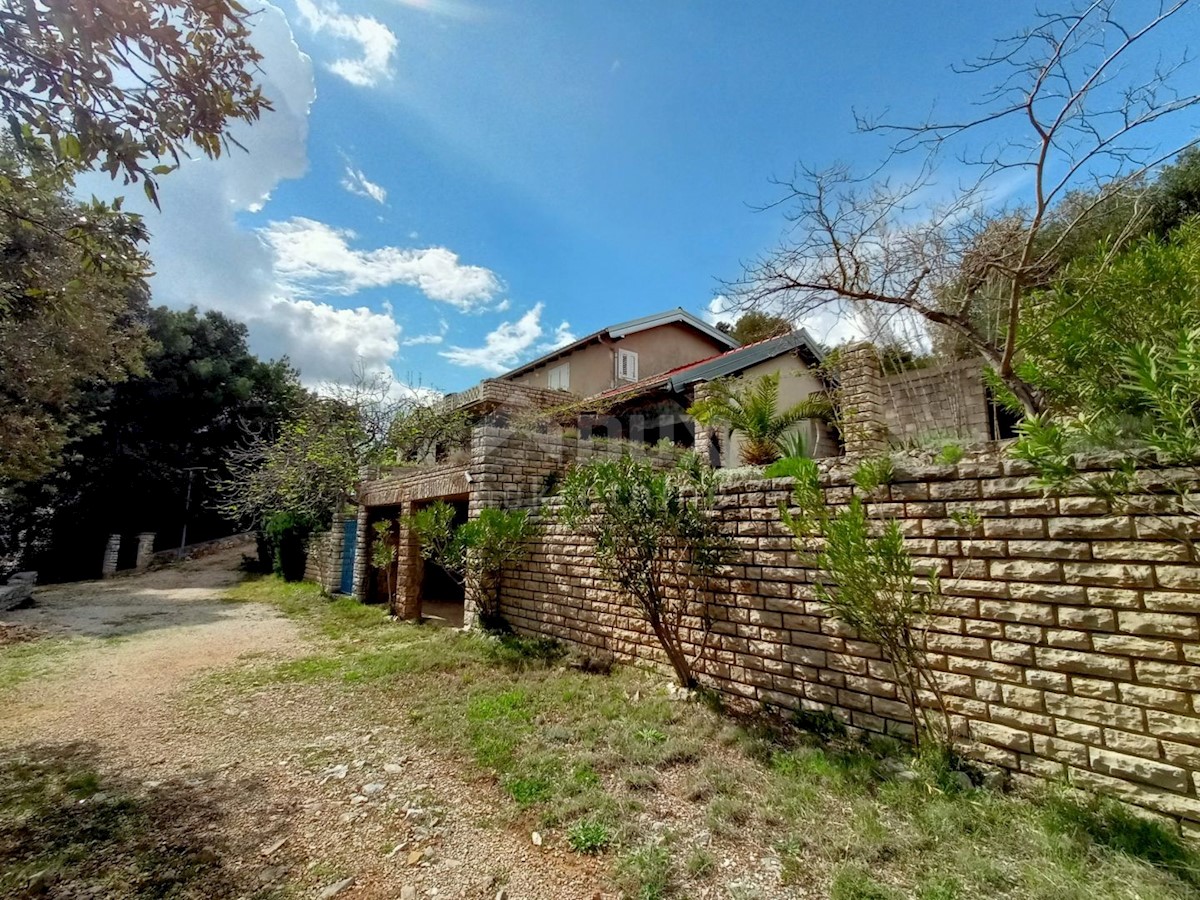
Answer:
(675, 654)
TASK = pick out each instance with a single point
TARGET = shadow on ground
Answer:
(67, 831)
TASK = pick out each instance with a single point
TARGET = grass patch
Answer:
(600, 756)
(29, 660)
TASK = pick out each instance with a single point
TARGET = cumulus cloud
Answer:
(312, 256)
(358, 184)
(202, 257)
(561, 337)
(718, 309)
(504, 347)
(376, 42)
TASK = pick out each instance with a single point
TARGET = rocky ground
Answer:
(199, 790)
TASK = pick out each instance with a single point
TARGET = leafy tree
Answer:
(1176, 193)
(310, 468)
(752, 410)
(658, 543)
(1075, 337)
(127, 86)
(476, 552)
(312, 464)
(872, 585)
(66, 322)
(384, 553)
(200, 391)
(755, 325)
(427, 431)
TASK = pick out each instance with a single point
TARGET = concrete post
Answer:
(145, 549)
(112, 551)
(861, 400)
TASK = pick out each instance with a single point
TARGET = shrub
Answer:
(872, 585)
(476, 552)
(288, 535)
(656, 542)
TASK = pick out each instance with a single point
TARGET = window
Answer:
(627, 365)
(559, 378)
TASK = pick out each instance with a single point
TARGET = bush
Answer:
(656, 540)
(288, 535)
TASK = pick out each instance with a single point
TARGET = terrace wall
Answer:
(1067, 640)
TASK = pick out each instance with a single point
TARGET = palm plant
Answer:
(751, 408)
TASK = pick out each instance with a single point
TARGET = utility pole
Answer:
(187, 505)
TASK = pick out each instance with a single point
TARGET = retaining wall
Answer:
(1067, 639)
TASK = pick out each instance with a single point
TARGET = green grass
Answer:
(29, 660)
(596, 757)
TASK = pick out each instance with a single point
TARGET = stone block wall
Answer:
(1067, 638)
(323, 563)
(948, 401)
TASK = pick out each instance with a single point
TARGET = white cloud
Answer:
(430, 338)
(332, 341)
(504, 347)
(376, 42)
(562, 336)
(358, 184)
(203, 257)
(718, 309)
(311, 255)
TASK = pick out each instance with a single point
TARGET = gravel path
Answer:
(292, 786)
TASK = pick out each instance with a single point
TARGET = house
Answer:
(655, 407)
(619, 355)
(632, 380)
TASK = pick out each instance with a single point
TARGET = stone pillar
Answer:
(707, 439)
(111, 551)
(145, 550)
(861, 400)
(362, 542)
(410, 566)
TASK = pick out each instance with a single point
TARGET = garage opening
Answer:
(442, 597)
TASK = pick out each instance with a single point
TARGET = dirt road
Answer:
(201, 790)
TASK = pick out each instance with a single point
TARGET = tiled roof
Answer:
(722, 364)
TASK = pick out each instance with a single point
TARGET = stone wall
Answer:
(1067, 639)
(948, 401)
(323, 563)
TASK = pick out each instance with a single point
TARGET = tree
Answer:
(1079, 97)
(1075, 337)
(754, 326)
(658, 543)
(124, 471)
(313, 463)
(128, 86)
(72, 309)
(752, 410)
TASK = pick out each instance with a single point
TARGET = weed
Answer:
(854, 883)
(647, 872)
(589, 836)
(950, 454)
(700, 863)
(650, 736)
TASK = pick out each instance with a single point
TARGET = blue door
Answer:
(349, 548)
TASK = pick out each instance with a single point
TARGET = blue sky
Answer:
(448, 188)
